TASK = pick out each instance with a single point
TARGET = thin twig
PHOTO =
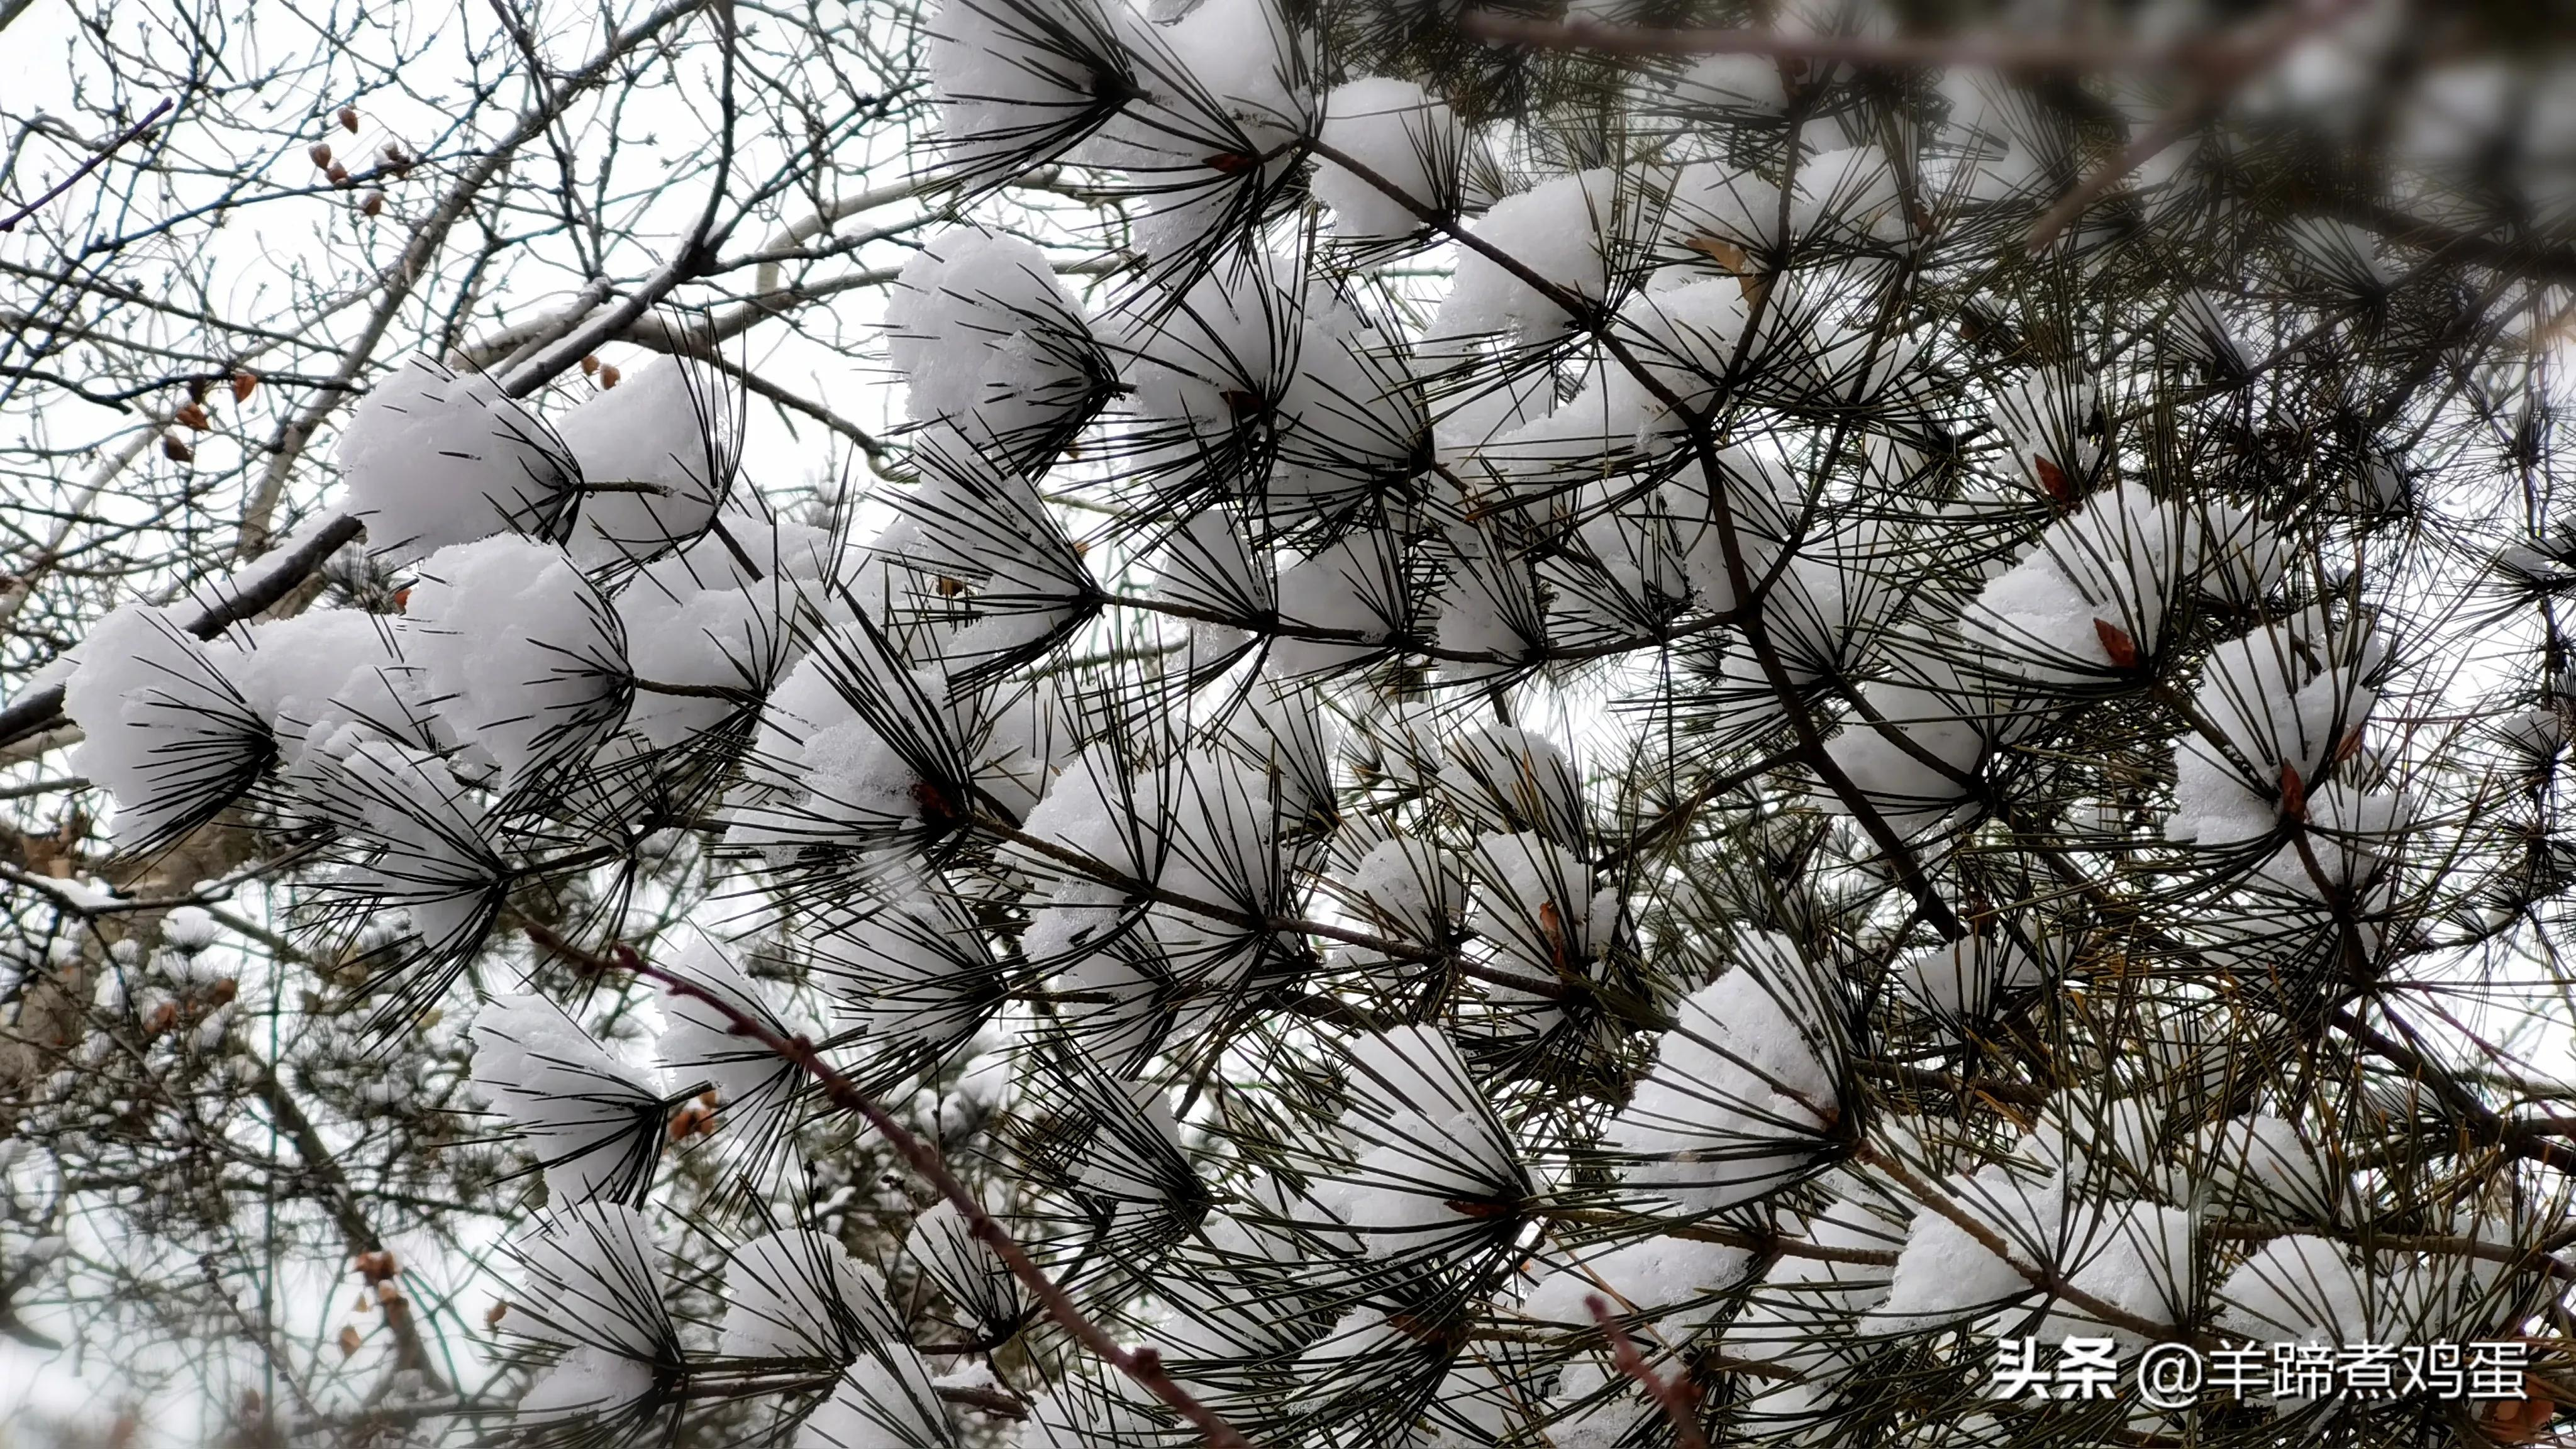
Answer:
(1674, 1397)
(96, 160)
(2047, 1280)
(2219, 72)
(1142, 1364)
(2000, 50)
(693, 258)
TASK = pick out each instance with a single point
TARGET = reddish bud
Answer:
(2116, 643)
(349, 1340)
(194, 415)
(2052, 480)
(590, 365)
(2294, 793)
(320, 151)
(243, 385)
(608, 374)
(338, 173)
(177, 451)
(372, 204)
(349, 119)
(934, 803)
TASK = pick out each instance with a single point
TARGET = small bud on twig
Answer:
(2294, 793)
(2117, 644)
(2052, 480)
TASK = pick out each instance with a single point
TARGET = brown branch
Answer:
(2047, 1280)
(342, 1203)
(2001, 50)
(1142, 1364)
(1674, 1397)
(868, 443)
(2217, 73)
(9, 223)
(1702, 1232)
(996, 1402)
(2489, 1124)
(39, 710)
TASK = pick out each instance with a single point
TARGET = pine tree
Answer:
(1658, 727)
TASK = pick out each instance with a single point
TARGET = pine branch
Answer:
(1747, 614)
(2212, 76)
(1144, 1365)
(2000, 50)
(1680, 1407)
(2047, 1279)
(40, 710)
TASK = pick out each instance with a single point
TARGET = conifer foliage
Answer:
(1640, 725)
